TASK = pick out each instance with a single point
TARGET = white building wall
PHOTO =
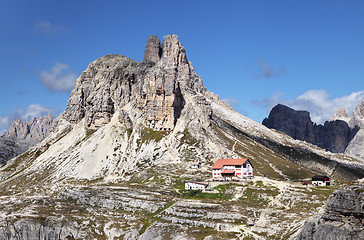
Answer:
(320, 183)
(239, 172)
(194, 186)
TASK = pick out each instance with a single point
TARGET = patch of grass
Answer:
(198, 194)
(254, 197)
(89, 132)
(154, 217)
(259, 184)
(129, 131)
(148, 134)
(226, 192)
(188, 139)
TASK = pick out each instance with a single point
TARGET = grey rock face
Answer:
(157, 90)
(23, 135)
(34, 130)
(356, 145)
(343, 217)
(10, 148)
(340, 114)
(333, 136)
(49, 228)
(296, 124)
(153, 50)
(358, 116)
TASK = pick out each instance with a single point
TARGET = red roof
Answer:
(227, 171)
(232, 162)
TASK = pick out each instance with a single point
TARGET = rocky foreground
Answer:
(342, 218)
(261, 209)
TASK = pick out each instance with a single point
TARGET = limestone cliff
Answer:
(34, 130)
(356, 145)
(10, 148)
(22, 135)
(342, 218)
(340, 114)
(296, 124)
(125, 116)
(333, 136)
(157, 86)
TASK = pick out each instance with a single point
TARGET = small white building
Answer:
(195, 165)
(227, 169)
(193, 185)
(320, 181)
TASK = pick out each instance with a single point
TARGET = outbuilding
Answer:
(195, 165)
(320, 181)
(193, 185)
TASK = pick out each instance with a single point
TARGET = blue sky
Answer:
(254, 54)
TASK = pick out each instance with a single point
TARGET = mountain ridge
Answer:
(334, 135)
(22, 135)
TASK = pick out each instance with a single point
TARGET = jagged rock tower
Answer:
(156, 86)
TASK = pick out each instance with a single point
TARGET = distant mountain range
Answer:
(22, 135)
(342, 134)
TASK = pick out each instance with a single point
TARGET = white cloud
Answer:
(317, 102)
(35, 110)
(231, 101)
(235, 105)
(47, 28)
(266, 71)
(5, 122)
(59, 78)
(270, 102)
(32, 111)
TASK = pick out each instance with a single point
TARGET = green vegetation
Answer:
(154, 217)
(188, 139)
(129, 131)
(148, 134)
(198, 194)
(226, 192)
(89, 132)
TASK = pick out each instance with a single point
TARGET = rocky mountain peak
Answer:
(153, 50)
(333, 136)
(34, 130)
(296, 124)
(358, 116)
(340, 114)
(173, 51)
(170, 51)
(115, 83)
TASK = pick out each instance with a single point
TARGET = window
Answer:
(244, 165)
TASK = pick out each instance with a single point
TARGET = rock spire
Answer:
(157, 90)
(153, 50)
